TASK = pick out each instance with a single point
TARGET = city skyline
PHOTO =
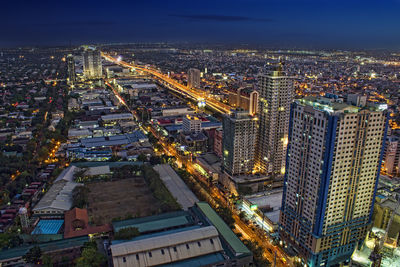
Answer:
(248, 133)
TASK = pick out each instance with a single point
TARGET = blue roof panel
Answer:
(47, 227)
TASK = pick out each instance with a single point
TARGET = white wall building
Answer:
(276, 95)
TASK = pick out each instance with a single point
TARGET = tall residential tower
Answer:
(193, 79)
(332, 169)
(238, 143)
(71, 69)
(276, 95)
(92, 68)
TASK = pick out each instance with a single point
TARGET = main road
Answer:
(196, 95)
(273, 253)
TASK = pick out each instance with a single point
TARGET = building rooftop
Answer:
(205, 260)
(67, 174)
(114, 140)
(333, 104)
(115, 164)
(176, 186)
(156, 222)
(136, 246)
(18, 252)
(98, 170)
(77, 224)
(47, 227)
(118, 116)
(204, 125)
(390, 203)
(238, 247)
(327, 104)
(58, 197)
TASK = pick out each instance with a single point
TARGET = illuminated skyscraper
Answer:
(332, 168)
(71, 69)
(276, 95)
(92, 68)
(253, 104)
(238, 142)
(193, 78)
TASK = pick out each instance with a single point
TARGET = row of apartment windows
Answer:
(163, 252)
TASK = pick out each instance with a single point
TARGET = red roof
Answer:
(77, 224)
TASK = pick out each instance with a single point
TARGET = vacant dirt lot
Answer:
(121, 198)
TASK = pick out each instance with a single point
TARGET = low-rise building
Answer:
(197, 237)
(59, 197)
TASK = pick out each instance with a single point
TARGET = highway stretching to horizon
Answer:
(195, 94)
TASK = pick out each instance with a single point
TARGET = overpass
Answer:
(196, 95)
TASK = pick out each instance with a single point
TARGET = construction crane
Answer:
(376, 254)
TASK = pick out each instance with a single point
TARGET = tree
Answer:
(127, 233)
(115, 158)
(154, 160)
(47, 261)
(9, 240)
(226, 215)
(258, 253)
(242, 215)
(142, 157)
(80, 196)
(90, 257)
(33, 255)
(43, 153)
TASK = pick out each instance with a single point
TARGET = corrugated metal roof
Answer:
(205, 260)
(154, 223)
(223, 229)
(176, 186)
(18, 252)
(47, 227)
(149, 244)
(58, 197)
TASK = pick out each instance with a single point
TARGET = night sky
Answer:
(286, 23)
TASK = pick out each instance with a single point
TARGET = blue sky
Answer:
(289, 23)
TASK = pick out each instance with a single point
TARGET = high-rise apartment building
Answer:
(218, 137)
(391, 159)
(193, 79)
(332, 169)
(276, 95)
(71, 69)
(238, 143)
(92, 68)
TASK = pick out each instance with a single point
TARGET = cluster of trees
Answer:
(80, 196)
(126, 171)
(37, 149)
(90, 257)
(194, 186)
(152, 139)
(154, 160)
(9, 240)
(127, 233)
(226, 215)
(160, 192)
(127, 216)
(12, 165)
(33, 255)
(224, 212)
(258, 253)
